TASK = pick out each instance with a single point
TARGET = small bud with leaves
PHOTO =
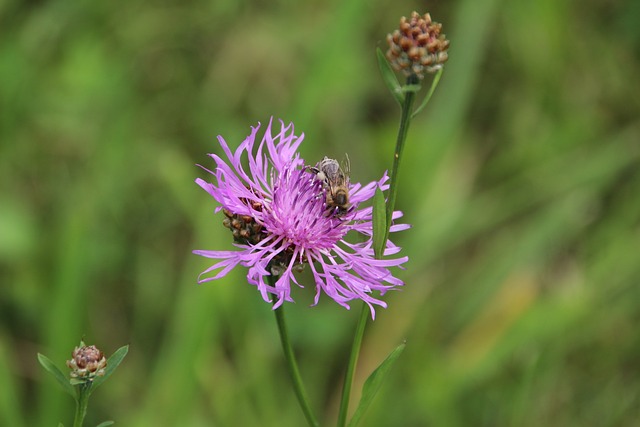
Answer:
(89, 369)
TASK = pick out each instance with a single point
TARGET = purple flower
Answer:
(276, 208)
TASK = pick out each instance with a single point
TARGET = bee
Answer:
(335, 181)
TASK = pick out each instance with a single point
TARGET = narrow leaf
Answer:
(57, 374)
(112, 364)
(436, 80)
(373, 384)
(105, 424)
(389, 77)
(379, 223)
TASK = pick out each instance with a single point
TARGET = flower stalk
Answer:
(292, 365)
(405, 121)
(418, 47)
(351, 367)
(82, 401)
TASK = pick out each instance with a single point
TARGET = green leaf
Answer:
(379, 223)
(436, 80)
(105, 424)
(57, 374)
(112, 363)
(60, 425)
(389, 77)
(373, 384)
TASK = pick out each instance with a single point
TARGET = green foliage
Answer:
(373, 384)
(434, 84)
(61, 378)
(112, 363)
(389, 77)
(520, 180)
(379, 223)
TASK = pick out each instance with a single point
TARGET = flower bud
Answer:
(244, 228)
(417, 46)
(87, 362)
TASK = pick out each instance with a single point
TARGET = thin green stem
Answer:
(405, 121)
(292, 366)
(81, 404)
(351, 367)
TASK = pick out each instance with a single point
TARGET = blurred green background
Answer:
(521, 180)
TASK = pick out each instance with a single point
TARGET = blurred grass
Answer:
(521, 180)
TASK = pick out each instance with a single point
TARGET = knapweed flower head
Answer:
(417, 46)
(276, 207)
(87, 362)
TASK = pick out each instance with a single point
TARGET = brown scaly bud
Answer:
(247, 231)
(87, 362)
(417, 46)
(279, 263)
(244, 228)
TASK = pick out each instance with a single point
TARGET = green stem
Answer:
(405, 121)
(351, 367)
(81, 404)
(292, 366)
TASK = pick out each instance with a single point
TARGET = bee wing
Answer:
(346, 167)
